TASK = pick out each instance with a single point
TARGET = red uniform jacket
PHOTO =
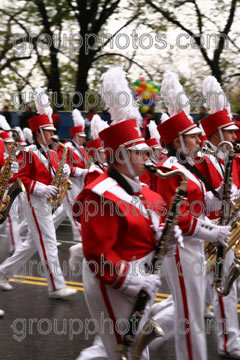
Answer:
(114, 230)
(75, 157)
(191, 208)
(1, 154)
(33, 167)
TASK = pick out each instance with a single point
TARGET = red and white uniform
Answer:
(1, 154)
(34, 168)
(118, 234)
(76, 159)
(184, 267)
(225, 308)
(11, 225)
(76, 251)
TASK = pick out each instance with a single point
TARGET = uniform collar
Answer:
(136, 186)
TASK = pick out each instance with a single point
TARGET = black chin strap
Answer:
(181, 158)
(46, 155)
(113, 173)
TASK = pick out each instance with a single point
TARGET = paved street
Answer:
(36, 327)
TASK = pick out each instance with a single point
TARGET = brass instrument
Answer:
(5, 175)
(215, 258)
(151, 329)
(62, 185)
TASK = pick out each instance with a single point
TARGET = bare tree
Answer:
(196, 25)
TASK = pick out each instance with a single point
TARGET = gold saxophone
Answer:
(233, 241)
(62, 185)
(6, 173)
(151, 330)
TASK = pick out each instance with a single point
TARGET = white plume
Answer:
(154, 134)
(174, 95)
(20, 132)
(164, 117)
(42, 103)
(215, 97)
(78, 120)
(27, 133)
(4, 124)
(118, 97)
(97, 125)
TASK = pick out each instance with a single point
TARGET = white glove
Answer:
(177, 235)
(14, 167)
(212, 233)
(66, 171)
(45, 191)
(80, 172)
(136, 282)
(212, 202)
(233, 194)
(220, 190)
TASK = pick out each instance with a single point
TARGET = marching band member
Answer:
(1, 164)
(77, 159)
(219, 127)
(11, 229)
(98, 165)
(157, 152)
(38, 167)
(113, 235)
(184, 267)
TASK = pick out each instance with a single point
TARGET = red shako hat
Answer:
(77, 130)
(219, 120)
(40, 122)
(93, 145)
(6, 136)
(123, 134)
(79, 124)
(176, 125)
(153, 143)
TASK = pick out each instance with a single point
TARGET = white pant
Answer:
(185, 275)
(104, 301)
(225, 310)
(162, 312)
(41, 238)
(64, 211)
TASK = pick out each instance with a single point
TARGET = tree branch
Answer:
(116, 32)
(128, 58)
(167, 15)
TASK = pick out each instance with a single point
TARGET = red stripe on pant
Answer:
(11, 233)
(185, 304)
(42, 245)
(110, 311)
(221, 304)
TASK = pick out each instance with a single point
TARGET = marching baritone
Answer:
(37, 168)
(218, 127)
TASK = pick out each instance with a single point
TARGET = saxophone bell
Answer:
(62, 184)
(151, 331)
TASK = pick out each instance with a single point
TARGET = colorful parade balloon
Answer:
(146, 94)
